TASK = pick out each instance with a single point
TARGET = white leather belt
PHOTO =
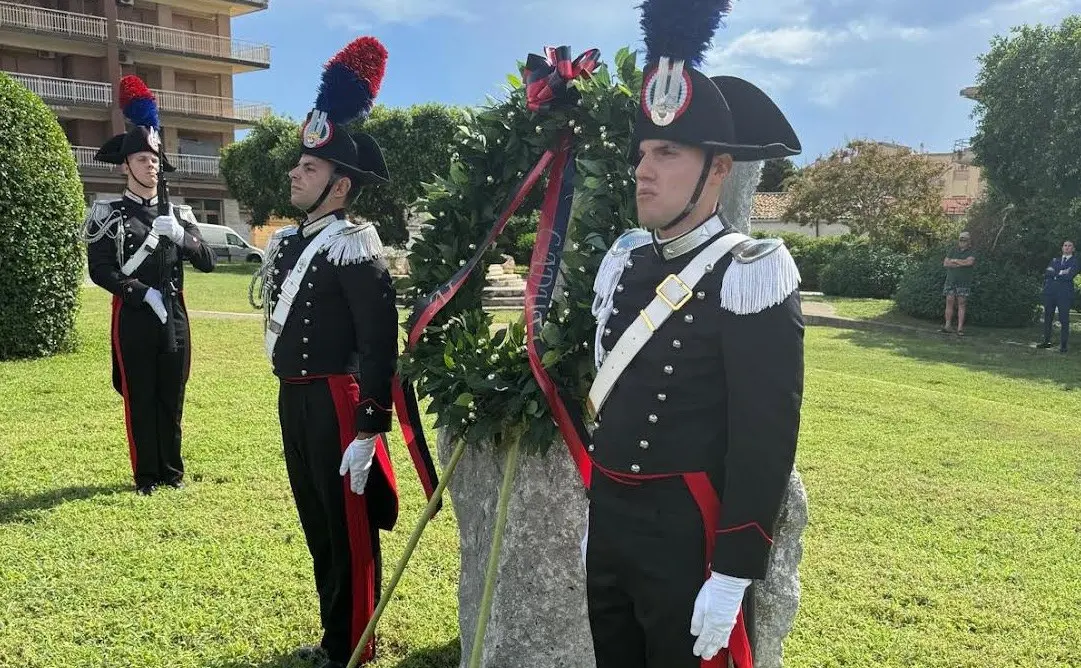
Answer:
(292, 284)
(672, 294)
(145, 249)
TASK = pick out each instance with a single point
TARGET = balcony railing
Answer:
(37, 19)
(190, 165)
(67, 91)
(196, 165)
(100, 94)
(195, 43)
(210, 106)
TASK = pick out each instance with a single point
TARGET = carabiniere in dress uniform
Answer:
(699, 351)
(138, 256)
(331, 333)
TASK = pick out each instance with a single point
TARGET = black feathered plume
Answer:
(681, 29)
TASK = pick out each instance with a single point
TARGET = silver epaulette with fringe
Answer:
(104, 221)
(608, 275)
(762, 274)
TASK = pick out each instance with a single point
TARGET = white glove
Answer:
(157, 305)
(170, 227)
(585, 541)
(357, 462)
(715, 612)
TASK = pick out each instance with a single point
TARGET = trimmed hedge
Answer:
(862, 270)
(1003, 295)
(41, 213)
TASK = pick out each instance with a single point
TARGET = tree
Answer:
(417, 143)
(890, 194)
(776, 175)
(41, 210)
(1028, 138)
(255, 168)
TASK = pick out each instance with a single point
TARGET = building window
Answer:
(206, 211)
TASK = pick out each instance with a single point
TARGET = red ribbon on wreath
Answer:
(547, 77)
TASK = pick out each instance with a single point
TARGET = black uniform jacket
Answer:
(711, 391)
(343, 319)
(120, 227)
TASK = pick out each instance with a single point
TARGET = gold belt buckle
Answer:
(678, 304)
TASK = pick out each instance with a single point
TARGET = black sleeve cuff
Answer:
(133, 292)
(742, 552)
(373, 416)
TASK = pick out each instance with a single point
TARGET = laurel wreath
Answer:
(477, 376)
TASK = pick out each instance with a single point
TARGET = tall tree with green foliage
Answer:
(776, 175)
(1028, 138)
(888, 193)
(255, 168)
(417, 144)
(41, 213)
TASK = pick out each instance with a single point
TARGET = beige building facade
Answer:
(72, 53)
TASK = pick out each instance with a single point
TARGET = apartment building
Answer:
(72, 53)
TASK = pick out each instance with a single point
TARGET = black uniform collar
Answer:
(153, 201)
(313, 227)
(670, 249)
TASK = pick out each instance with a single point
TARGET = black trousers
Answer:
(1062, 304)
(342, 539)
(151, 379)
(645, 563)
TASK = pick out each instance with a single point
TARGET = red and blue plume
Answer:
(351, 80)
(681, 29)
(138, 102)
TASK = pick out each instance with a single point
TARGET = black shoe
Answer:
(311, 654)
(1044, 345)
(145, 490)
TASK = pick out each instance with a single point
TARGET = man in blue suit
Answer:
(1058, 294)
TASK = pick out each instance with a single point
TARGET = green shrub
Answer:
(862, 270)
(41, 212)
(1003, 295)
(814, 257)
(523, 250)
(811, 254)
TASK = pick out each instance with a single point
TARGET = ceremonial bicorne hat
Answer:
(350, 83)
(141, 110)
(679, 103)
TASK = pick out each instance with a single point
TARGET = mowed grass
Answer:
(943, 483)
(886, 311)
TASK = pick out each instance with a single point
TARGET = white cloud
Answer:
(348, 21)
(831, 89)
(792, 46)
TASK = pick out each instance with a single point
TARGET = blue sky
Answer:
(839, 69)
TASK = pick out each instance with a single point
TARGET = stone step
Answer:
(506, 282)
(503, 302)
(502, 290)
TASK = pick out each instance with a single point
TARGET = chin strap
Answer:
(710, 153)
(131, 173)
(334, 178)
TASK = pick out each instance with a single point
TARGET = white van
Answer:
(228, 245)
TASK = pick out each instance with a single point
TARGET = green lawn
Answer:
(943, 482)
(885, 310)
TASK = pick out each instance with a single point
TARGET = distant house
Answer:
(766, 212)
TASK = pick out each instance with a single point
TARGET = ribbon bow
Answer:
(546, 78)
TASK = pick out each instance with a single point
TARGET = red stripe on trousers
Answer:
(739, 645)
(132, 455)
(187, 358)
(346, 395)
